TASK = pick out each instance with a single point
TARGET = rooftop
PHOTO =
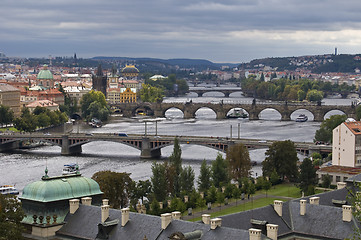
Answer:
(341, 169)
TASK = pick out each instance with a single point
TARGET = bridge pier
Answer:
(147, 151)
(226, 94)
(66, 149)
(253, 116)
(285, 117)
(318, 117)
(4, 147)
(127, 113)
(187, 114)
(221, 115)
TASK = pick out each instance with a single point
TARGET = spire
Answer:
(114, 70)
(46, 173)
(99, 70)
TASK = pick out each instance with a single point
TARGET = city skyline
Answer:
(231, 31)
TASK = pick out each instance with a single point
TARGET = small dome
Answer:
(45, 73)
(60, 188)
(130, 69)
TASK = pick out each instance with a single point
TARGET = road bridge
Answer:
(150, 146)
(221, 109)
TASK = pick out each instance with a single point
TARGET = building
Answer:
(338, 173)
(76, 93)
(130, 72)
(10, 96)
(46, 202)
(346, 144)
(43, 103)
(100, 81)
(121, 95)
(45, 78)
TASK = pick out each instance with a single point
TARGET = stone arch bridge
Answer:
(221, 109)
(226, 92)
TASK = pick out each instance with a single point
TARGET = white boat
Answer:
(70, 169)
(237, 113)
(8, 189)
(302, 118)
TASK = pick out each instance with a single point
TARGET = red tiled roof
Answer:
(355, 127)
(341, 169)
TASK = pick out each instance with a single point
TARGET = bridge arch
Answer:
(235, 93)
(328, 114)
(217, 93)
(205, 112)
(173, 112)
(270, 114)
(143, 109)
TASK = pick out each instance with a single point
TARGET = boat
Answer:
(8, 189)
(72, 168)
(302, 118)
(95, 123)
(237, 113)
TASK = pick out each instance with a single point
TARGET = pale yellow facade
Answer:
(10, 96)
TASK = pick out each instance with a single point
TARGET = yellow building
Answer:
(130, 72)
(121, 95)
(10, 96)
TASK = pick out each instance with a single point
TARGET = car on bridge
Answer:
(122, 135)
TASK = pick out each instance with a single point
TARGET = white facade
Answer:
(346, 144)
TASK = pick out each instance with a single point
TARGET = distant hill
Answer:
(196, 64)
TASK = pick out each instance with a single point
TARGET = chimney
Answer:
(206, 219)
(105, 201)
(277, 204)
(74, 205)
(254, 234)
(87, 201)
(216, 222)
(176, 215)
(315, 200)
(346, 213)
(160, 205)
(125, 216)
(272, 231)
(341, 185)
(166, 219)
(303, 207)
(105, 212)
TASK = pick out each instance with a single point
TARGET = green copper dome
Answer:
(60, 188)
(45, 73)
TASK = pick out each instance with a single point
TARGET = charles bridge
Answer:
(149, 146)
(222, 108)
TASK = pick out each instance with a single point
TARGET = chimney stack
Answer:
(216, 222)
(303, 207)
(277, 204)
(105, 201)
(254, 234)
(87, 201)
(105, 213)
(176, 215)
(315, 200)
(272, 231)
(341, 185)
(346, 213)
(125, 216)
(206, 219)
(166, 219)
(74, 205)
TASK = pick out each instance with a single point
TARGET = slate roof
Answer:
(84, 225)
(321, 221)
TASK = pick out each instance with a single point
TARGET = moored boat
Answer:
(237, 113)
(72, 168)
(302, 118)
(8, 189)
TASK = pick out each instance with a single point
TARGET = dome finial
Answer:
(46, 172)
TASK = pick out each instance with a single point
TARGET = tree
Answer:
(358, 112)
(219, 171)
(117, 187)
(239, 162)
(26, 122)
(94, 103)
(326, 181)
(149, 93)
(6, 115)
(143, 189)
(176, 161)
(274, 178)
(324, 134)
(154, 207)
(212, 194)
(267, 185)
(281, 156)
(204, 178)
(314, 95)
(308, 176)
(186, 179)
(11, 215)
(159, 181)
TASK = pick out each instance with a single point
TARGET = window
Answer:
(338, 179)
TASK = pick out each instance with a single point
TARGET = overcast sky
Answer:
(219, 31)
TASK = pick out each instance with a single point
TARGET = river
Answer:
(25, 166)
